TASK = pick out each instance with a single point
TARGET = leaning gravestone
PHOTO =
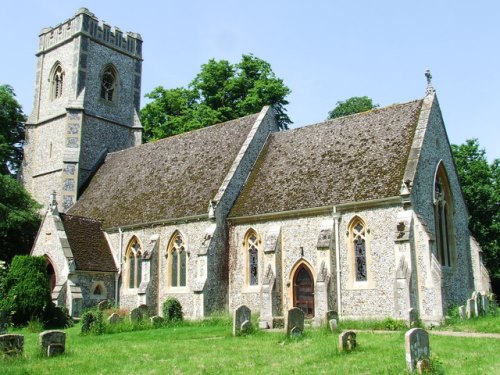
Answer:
(417, 349)
(114, 318)
(347, 341)
(11, 345)
(4, 322)
(242, 320)
(52, 342)
(469, 308)
(295, 322)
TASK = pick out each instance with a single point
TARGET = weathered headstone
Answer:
(333, 325)
(4, 322)
(476, 296)
(332, 314)
(347, 341)
(114, 318)
(103, 305)
(295, 322)
(242, 319)
(461, 312)
(469, 308)
(412, 317)
(417, 347)
(156, 320)
(11, 345)
(486, 304)
(52, 342)
(136, 315)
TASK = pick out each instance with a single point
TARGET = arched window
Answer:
(359, 245)
(109, 83)
(443, 207)
(57, 80)
(177, 260)
(251, 245)
(133, 263)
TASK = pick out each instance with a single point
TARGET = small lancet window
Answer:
(359, 242)
(108, 84)
(178, 260)
(97, 290)
(442, 217)
(134, 264)
(253, 258)
(57, 82)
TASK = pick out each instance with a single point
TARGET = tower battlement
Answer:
(86, 23)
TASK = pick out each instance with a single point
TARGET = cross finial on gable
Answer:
(430, 89)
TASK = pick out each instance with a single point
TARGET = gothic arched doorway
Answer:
(51, 273)
(303, 290)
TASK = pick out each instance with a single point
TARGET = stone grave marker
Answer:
(461, 312)
(486, 303)
(11, 345)
(103, 305)
(139, 313)
(469, 308)
(347, 341)
(114, 318)
(333, 325)
(476, 296)
(52, 342)
(4, 322)
(332, 314)
(156, 320)
(295, 322)
(417, 348)
(242, 320)
(412, 317)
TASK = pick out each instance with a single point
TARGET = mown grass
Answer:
(489, 323)
(209, 348)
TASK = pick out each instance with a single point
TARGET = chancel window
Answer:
(443, 217)
(109, 84)
(134, 264)
(251, 245)
(359, 244)
(57, 81)
(177, 264)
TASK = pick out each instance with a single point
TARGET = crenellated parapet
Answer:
(86, 23)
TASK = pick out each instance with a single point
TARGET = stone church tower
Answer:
(86, 104)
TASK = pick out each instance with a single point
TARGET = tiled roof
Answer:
(353, 158)
(171, 178)
(90, 249)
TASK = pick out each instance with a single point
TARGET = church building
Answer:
(363, 214)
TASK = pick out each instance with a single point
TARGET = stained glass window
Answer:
(178, 262)
(134, 264)
(360, 252)
(253, 258)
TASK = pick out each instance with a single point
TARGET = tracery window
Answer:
(359, 245)
(109, 84)
(252, 249)
(57, 79)
(442, 217)
(177, 264)
(134, 263)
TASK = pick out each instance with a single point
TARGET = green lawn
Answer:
(210, 349)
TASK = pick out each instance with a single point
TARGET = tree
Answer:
(220, 92)
(11, 131)
(353, 105)
(481, 189)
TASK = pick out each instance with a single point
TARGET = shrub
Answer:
(172, 310)
(393, 324)
(92, 322)
(58, 317)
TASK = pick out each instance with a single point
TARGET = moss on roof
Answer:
(171, 178)
(353, 158)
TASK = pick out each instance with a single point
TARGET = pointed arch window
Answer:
(109, 83)
(177, 264)
(57, 80)
(359, 245)
(252, 250)
(134, 264)
(443, 217)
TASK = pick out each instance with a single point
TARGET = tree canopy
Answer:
(481, 188)
(11, 131)
(353, 105)
(220, 92)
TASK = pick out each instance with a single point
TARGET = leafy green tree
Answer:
(11, 131)
(353, 105)
(220, 92)
(481, 188)
(26, 292)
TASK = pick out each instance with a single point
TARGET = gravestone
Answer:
(332, 314)
(417, 348)
(139, 313)
(347, 341)
(461, 312)
(412, 317)
(476, 296)
(242, 320)
(156, 320)
(469, 308)
(52, 342)
(114, 318)
(11, 345)
(295, 322)
(333, 324)
(103, 305)
(486, 304)
(4, 322)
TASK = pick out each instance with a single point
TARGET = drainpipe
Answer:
(120, 245)
(336, 217)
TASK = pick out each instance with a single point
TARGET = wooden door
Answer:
(303, 290)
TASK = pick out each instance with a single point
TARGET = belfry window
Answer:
(443, 217)
(57, 80)
(177, 264)
(134, 264)
(251, 246)
(109, 84)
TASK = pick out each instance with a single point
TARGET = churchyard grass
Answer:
(209, 348)
(490, 323)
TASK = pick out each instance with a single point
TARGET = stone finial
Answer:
(430, 89)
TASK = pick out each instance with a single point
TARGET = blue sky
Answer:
(325, 51)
